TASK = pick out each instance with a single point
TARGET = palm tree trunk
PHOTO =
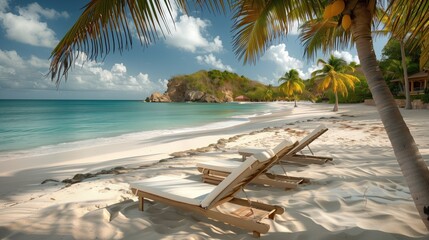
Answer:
(412, 165)
(336, 103)
(295, 102)
(406, 82)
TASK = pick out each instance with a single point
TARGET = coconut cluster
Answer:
(336, 8)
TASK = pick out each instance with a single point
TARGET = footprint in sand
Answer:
(113, 211)
(162, 218)
(132, 210)
(168, 221)
(166, 228)
(104, 190)
(154, 208)
(328, 206)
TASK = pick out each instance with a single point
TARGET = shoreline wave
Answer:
(126, 137)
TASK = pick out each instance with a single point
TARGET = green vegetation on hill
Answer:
(223, 83)
(217, 83)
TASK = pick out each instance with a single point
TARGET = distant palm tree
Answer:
(292, 84)
(334, 76)
(269, 93)
(401, 38)
(394, 70)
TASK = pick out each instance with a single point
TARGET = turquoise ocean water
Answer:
(28, 124)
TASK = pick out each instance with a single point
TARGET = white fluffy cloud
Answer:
(90, 75)
(119, 69)
(279, 55)
(163, 83)
(185, 32)
(212, 61)
(38, 62)
(346, 56)
(35, 11)
(17, 72)
(26, 26)
(28, 31)
(188, 34)
(10, 58)
(312, 68)
(4, 5)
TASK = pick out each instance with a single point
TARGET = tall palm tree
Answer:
(334, 76)
(103, 26)
(292, 84)
(326, 35)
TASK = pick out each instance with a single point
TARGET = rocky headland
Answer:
(208, 86)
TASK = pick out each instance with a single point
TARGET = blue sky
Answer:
(31, 29)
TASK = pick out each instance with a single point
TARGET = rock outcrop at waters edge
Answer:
(206, 86)
(158, 97)
(190, 96)
(178, 92)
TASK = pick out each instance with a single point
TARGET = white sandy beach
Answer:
(360, 195)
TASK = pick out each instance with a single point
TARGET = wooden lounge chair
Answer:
(215, 202)
(296, 158)
(215, 171)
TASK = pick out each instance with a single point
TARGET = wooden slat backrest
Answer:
(246, 176)
(309, 138)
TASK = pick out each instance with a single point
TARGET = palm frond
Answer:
(424, 57)
(326, 83)
(259, 22)
(104, 27)
(381, 33)
(316, 73)
(334, 76)
(323, 35)
(321, 61)
(348, 79)
(413, 23)
(292, 83)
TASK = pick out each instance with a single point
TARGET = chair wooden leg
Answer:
(256, 234)
(141, 203)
